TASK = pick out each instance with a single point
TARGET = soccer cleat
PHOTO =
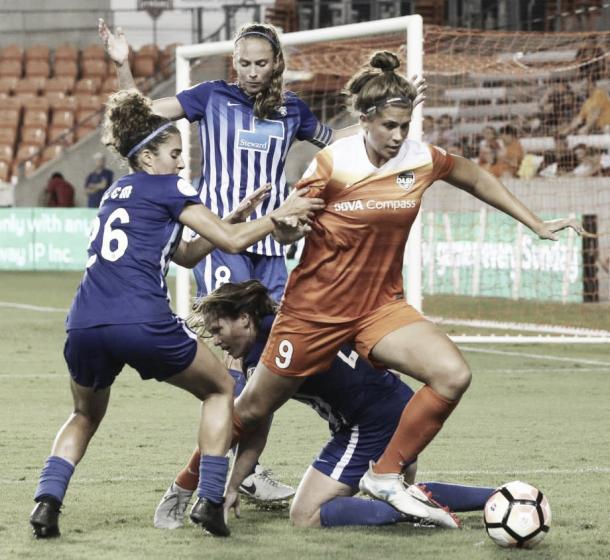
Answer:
(408, 499)
(261, 487)
(210, 516)
(170, 511)
(43, 518)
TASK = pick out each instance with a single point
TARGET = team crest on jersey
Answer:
(282, 111)
(405, 180)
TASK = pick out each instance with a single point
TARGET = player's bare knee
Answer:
(458, 377)
(303, 519)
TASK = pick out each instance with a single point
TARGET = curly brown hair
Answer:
(269, 99)
(377, 82)
(231, 300)
(128, 119)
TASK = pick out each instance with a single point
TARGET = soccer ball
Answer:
(517, 515)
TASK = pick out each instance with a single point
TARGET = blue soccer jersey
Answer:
(132, 241)
(347, 391)
(241, 153)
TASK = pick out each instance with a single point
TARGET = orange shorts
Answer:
(299, 347)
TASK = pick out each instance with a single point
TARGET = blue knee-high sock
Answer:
(344, 511)
(458, 497)
(54, 479)
(212, 477)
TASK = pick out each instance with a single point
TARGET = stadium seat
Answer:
(40, 103)
(144, 67)
(67, 103)
(33, 136)
(9, 116)
(94, 51)
(94, 68)
(149, 49)
(63, 84)
(6, 153)
(66, 68)
(11, 52)
(51, 153)
(37, 68)
(8, 135)
(60, 135)
(110, 85)
(7, 84)
(35, 117)
(89, 102)
(30, 86)
(89, 86)
(66, 52)
(11, 68)
(62, 118)
(27, 152)
(37, 52)
(5, 170)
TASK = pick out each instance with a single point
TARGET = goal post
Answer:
(480, 274)
(411, 28)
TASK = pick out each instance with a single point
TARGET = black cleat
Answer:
(43, 518)
(210, 516)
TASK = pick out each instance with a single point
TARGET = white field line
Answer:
(32, 307)
(528, 327)
(536, 356)
(421, 475)
(600, 369)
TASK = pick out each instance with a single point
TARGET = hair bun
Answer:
(385, 61)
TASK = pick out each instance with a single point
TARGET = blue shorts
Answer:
(96, 355)
(219, 268)
(345, 458)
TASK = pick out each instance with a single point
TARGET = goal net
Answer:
(470, 267)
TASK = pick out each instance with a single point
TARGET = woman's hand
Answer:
(548, 229)
(299, 206)
(249, 205)
(116, 46)
(231, 503)
(421, 86)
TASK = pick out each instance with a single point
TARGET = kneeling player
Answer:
(362, 405)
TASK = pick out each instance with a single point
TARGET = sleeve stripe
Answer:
(322, 136)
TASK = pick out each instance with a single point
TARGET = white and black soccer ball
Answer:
(517, 515)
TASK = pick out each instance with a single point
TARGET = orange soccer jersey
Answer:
(352, 260)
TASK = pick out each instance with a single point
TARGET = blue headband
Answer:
(148, 138)
(259, 34)
(401, 100)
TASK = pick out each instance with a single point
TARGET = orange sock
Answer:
(420, 421)
(188, 477)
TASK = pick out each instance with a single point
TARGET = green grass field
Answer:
(534, 413)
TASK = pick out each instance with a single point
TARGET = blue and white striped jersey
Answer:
(134, 236)
(241, 153)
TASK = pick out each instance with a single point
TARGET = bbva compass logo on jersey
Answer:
(405, 180)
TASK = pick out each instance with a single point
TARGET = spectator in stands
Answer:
(510, 156)
(489, 147)
(445, 135)
(560, 160)
(558, 105)
(594, 115)
(588, 161)
(59, 193)
(98, 181)
(428, 130)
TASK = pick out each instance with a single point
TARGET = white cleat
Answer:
(261, 487)
(408, 499)
(172, 507)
